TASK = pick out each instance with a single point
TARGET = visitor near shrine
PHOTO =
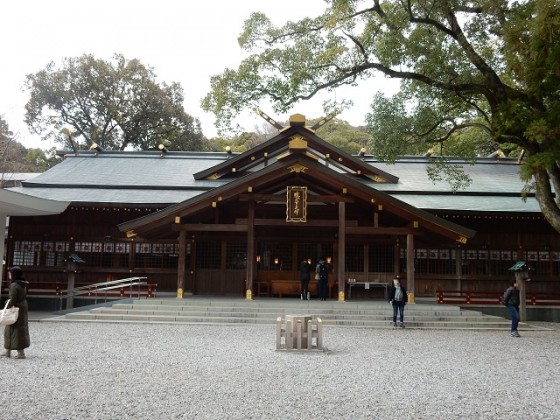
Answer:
(16, 336)
(511, 302)
(398, 298)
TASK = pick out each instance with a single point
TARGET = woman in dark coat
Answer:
(16, 336)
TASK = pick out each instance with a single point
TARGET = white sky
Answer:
(185, 41)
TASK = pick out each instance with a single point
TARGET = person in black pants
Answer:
(322, 270)
(398, 298)
(304, 270)
(511, 301)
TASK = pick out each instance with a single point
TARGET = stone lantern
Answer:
(521, 272)
(71, 273)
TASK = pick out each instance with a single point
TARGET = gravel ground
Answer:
(147, 371)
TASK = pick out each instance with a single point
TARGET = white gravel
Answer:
(137, 371)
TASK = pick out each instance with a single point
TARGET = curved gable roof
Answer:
(278, 175)
(295, 137)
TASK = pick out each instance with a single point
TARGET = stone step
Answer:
(433, 324)
(283, 303)
(273, 315)
(372, 314)
(416, 310)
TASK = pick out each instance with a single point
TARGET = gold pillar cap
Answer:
(297, 119)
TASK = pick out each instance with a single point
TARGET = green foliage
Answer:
(14, 157)
(453, 174)
(342, 135)
(475, 75)
(115, 104)
(41, 160)
(492, 65)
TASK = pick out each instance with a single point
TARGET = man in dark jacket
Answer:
(511, 301)
(398, 298)
(304, 270)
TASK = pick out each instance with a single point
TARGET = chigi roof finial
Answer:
(268, 119)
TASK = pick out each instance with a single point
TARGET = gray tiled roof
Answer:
(470, 203)
(129, 169)
(110, 196)
(148, 178)
(488, 175)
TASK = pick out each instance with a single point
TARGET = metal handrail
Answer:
(108, 285)
(105, 286)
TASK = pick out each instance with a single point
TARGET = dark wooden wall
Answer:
(524, 237)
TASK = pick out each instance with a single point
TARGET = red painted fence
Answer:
(476, 297)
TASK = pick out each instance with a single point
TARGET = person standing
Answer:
(16, 336)
(322, 271)
(398, 298)
(511, 301)
(304, 270)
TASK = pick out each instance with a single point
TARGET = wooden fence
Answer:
(477, 297)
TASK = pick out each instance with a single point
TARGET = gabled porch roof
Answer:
(295, 137)
(295, 166)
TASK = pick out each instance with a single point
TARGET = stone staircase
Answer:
(372, 314)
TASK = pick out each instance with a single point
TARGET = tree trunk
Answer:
(545, 197)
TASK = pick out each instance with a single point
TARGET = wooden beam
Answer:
(370, 230)
(282, 222)
(241, 225)
(281, 198)
(203, 227)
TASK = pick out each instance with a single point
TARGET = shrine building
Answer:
(227, 224)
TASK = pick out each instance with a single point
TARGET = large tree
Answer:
(14, 157)
(488, 69)
(115, 104)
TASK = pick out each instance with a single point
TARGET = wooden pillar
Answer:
(192, 265)
(341, 263)
(250, 250)
(131, 256)
(410, 267)
(182, 260)
(366, 262)
(522, 297)
(71, 269)
(521, 278)
(459, 267)
(397, 258)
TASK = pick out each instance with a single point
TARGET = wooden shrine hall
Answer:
(240, 224)
(297, 190)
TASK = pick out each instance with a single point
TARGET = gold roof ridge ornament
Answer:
(295, 120)
(297, 142)
(297, 168)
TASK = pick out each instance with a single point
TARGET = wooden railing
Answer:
(477, 297)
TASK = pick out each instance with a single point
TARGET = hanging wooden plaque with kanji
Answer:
(296, 204)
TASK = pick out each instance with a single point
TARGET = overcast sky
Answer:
(185, 41)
